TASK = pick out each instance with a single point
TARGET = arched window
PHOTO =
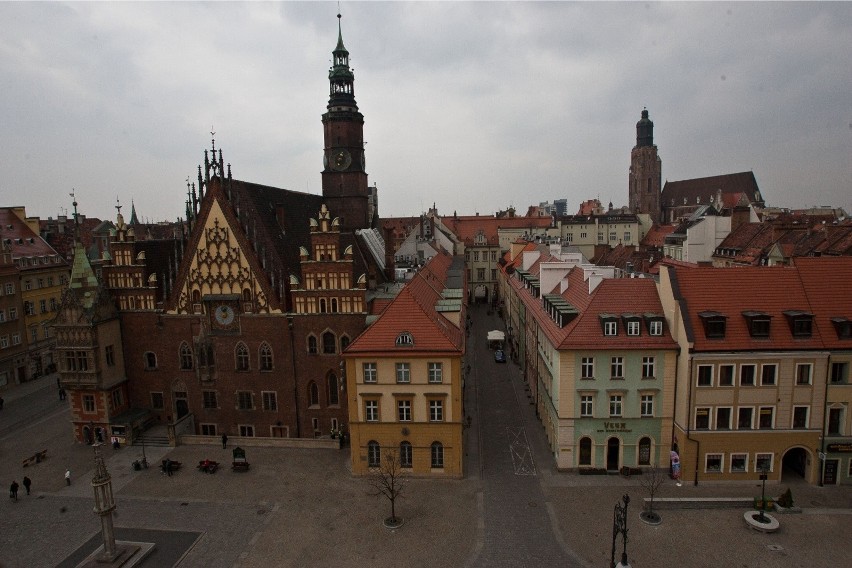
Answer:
(265, 356)
(329, 342)
(585, 451)
(374, 454)
(344, 342)
(196, 297)
(185, 356)
(322, 305)
(405, 455)
(246, 295)
(645, 451)
(150, 360)
(242, 354)
(312, 344)
(437, 455)
(313, 394)
(333, 397)
(334, 305)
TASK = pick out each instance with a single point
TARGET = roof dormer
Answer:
(759, 323)
(714, 324)
(801, 323)
(843, 327)
(609, 324)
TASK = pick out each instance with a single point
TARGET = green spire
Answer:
(83, 280)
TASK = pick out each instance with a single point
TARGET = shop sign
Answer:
(615, 427)
(845, 448)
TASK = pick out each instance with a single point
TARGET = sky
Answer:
(472, 106)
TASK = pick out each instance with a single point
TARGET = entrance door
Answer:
(829, 477)
(612, 452)
(181, 407)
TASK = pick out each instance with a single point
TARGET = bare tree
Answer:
(388, 480)
(651, 480)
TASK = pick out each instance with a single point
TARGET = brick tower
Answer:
(645, 171)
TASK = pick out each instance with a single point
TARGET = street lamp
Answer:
(619, 525)
(764, 471)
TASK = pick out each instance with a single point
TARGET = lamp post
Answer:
(619, 525)
(764, 471)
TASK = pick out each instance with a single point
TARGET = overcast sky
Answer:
(474, 106)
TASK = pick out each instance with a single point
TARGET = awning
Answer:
(496, 335)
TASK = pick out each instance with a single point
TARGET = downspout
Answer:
(824, 421)
(689, 425)
(295, 382)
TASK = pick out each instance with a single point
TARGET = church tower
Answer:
(645, 171)
(344, 179)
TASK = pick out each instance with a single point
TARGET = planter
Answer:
(391, 523)
(769, 524)
(650, 518)
(769, 505)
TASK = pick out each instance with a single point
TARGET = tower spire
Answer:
(340, 77)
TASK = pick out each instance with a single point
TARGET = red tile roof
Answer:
(826, 282)
(466, 228)
(23, 242)
(656, 237)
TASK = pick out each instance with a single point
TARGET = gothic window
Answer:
(344, 342)
(185, 356)
(242, 355)
(322, 306)
(150, 360)
(246, 295)
(312, 344)
(329, 342)
(313, 394)
(265, 357)
(333, 397)
(334, 308)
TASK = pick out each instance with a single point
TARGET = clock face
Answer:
(224, 315)
(340, 159)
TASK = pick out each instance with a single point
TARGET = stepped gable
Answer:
(826, 283)
(413, 310)
(732, 291)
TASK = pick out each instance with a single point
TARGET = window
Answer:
(370, 375)
(265, 357)
(610, 328)
(246, 430)
(313, 394)
(116, 398)
(437, 455)
(615, 401)
(88, 403)
(800, 417)
(329, 343)
(209, 399)
(312, 344)
(747, 374)
(157, 401)
(646, 405)
(371, 410)
(333, 395)
(587, 368)
(208, 429)
(480, 274)
(758, 323)
(645, 451)
(655, 327)
(585, 451)
(838, 373)
(648, 367)
(803, 374)
(403, 410)
(185, 356)
(587, 405)
(10, 289)
(270, 400)
(744, 418)
(765, 418)
(713, 463)
(13, 313)
(616, 368)
(4, 341)
(705, 375)
(244, 400)
(767, 375)
(404, 339)
(34, 334)
(43, 306)
(723, 418)
(150, 361)
(28, 308)
(714, 324)
(835, 421)
(739, 463)
(436, 410)
(726, 375)
(702, 418)
(2, 315)
(405, 455)
(763, 462)
(242, 355)
(16, 339)
(403, 373)
(435, 372)
(633, 328)
(374, 454)
(344, 342)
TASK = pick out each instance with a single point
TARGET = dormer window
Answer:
(758, 323)
(843, 327)
(714, 324)
(610, 324)
(632, 324)
(404, 339)
(801, 323)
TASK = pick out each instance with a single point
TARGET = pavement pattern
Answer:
(304, 508)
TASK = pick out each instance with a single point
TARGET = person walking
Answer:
(224, 440)
(13, 490)
(27, 483)
(1, 402)
(68, 477)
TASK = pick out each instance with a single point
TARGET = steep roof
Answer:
(688, 192)
(468, 227)
(826, 282)
(656, 236)
(20, 238)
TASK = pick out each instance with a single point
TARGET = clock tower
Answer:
(344, 178)
(645, 171)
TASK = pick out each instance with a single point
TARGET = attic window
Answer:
(843, 327)
(632, 323)
(609, 322)
(404, 339)
(758, 323)
(801, 323)
(654, 323)
(714, 324)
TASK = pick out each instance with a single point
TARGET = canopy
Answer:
(496, 335)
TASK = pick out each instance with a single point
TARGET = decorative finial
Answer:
(118, 205)
(213, 138)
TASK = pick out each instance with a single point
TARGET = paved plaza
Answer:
(298, 507)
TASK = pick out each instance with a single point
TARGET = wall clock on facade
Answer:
(341, 159)
(224, 315)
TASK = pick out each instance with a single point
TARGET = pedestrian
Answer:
(1, 402)
(13, 490)
(224, 440)
(27, 483)
(169, 467)
(68, 477)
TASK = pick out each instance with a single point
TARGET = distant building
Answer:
(645, 171)
(13, 336)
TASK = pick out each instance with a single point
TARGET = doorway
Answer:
(181, 407)
(829, 476)
(794, 463)
(613, 445)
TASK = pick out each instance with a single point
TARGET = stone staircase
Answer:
(154, 437)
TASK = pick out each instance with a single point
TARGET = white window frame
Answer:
(763, 455)
(698, 370)
(616, 367)
(714, 455)
(655, 327)
(436, 410)
(807, 417)
(403, 373)
(587, 368)
(436, 372)
(371, 410)
(633, 327)
(730, 418)
(370, 372)
(735, 455)
(610, 328)
(403, 410)
(649, 367)
(616, 405)
(587, 405)
(709, 418)
(646, 405)
(810, 370)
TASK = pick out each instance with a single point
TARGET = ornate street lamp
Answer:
(619, 525)
(764, 473)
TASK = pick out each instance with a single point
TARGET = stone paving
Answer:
(303, 508)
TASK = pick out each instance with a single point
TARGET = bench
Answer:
(208, 466)
(37, 457)
(240, 463)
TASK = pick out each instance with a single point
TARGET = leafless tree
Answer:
(388, 480)
(651, 480)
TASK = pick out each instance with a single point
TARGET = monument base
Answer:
(127, 554)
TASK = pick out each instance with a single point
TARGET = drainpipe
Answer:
(689, 425)
(824, 420)
(295, 382)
